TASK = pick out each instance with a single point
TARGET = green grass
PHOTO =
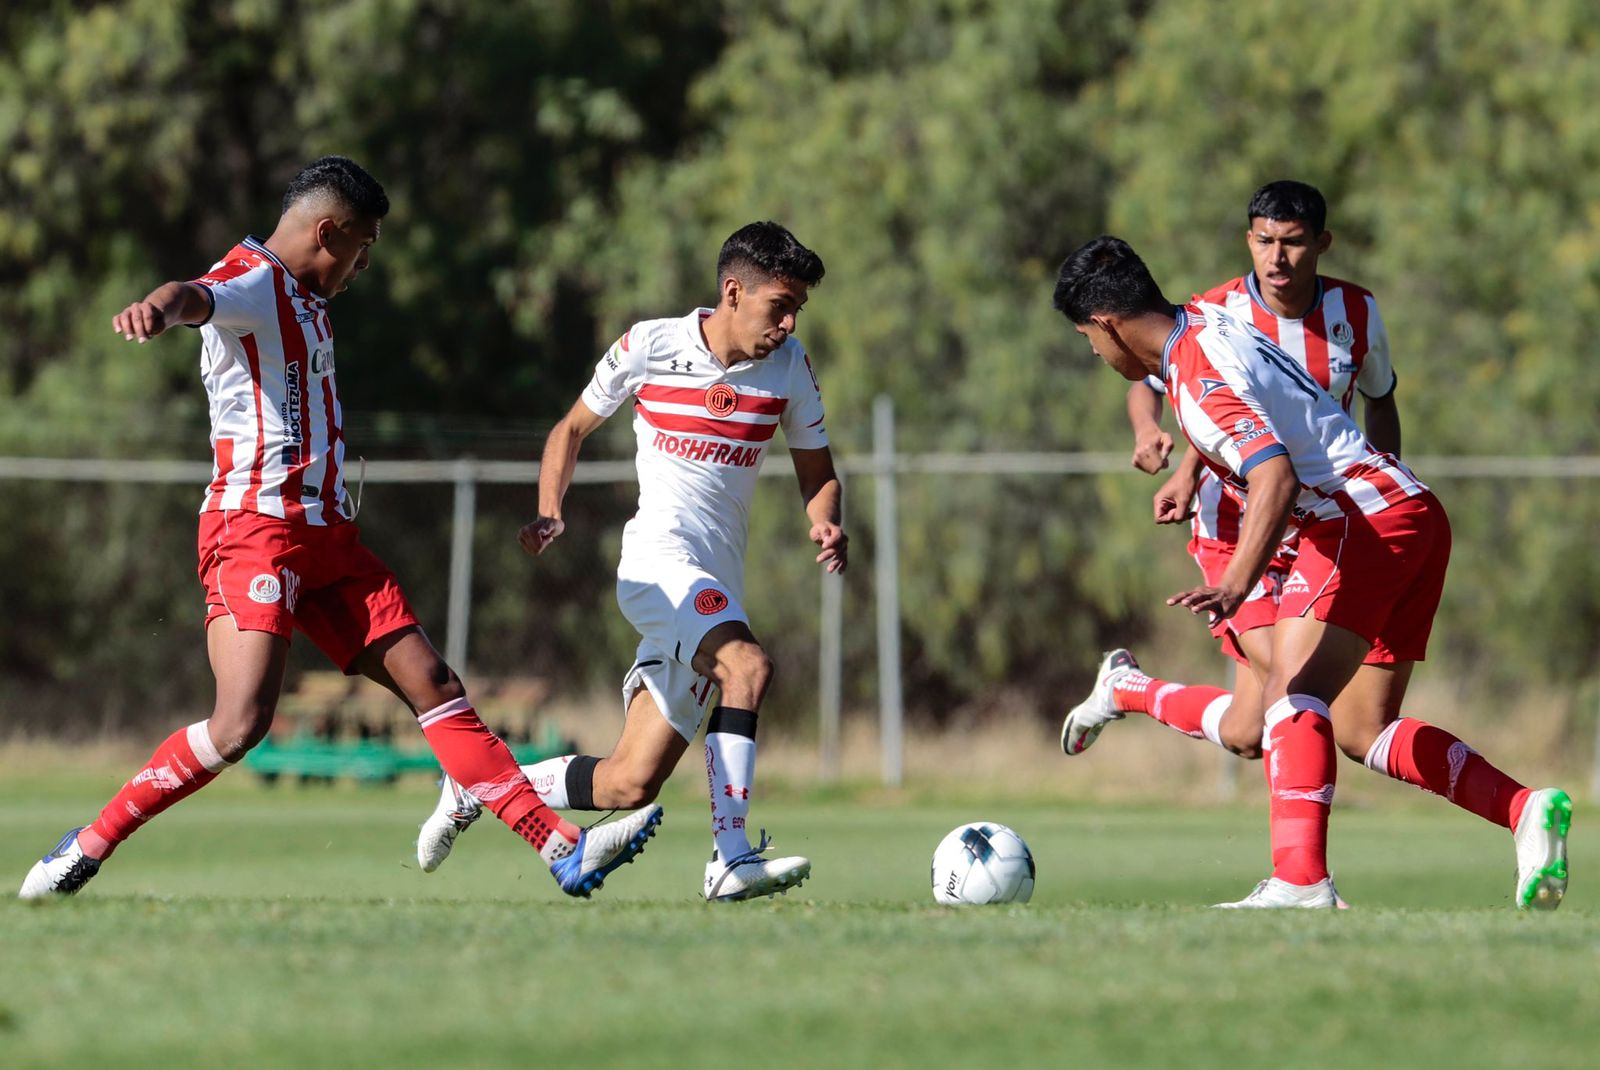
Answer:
(289, 927)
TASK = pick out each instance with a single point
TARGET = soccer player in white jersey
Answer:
(278, 549)
(708, 392)
(1373, 547)
(1332, 329)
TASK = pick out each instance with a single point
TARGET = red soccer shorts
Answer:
(271, 575)
(1380, 576)
(1260, 609)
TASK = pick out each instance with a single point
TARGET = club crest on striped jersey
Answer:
(1342, 334)
(721, 400)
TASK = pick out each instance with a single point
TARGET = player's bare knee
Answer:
(743, 675)
(1242, 739)
(237, 729)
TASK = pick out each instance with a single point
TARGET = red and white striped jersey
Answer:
(702, 431)
(267, 363)
(1240, 399)
(1340, 342)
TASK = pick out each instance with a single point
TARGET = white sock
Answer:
(730, 773)
(549, 780)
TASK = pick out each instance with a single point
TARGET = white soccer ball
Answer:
(983, 862)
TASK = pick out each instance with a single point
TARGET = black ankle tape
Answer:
(732, 720)
(580, 782)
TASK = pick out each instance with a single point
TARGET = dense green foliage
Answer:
(561, 169)
(285, 929)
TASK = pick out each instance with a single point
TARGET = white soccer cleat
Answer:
(1084, 724)
(751, 876)
(1274, 894)
(1541, 840)
(603, 848)
(456, 811)
(61, 872)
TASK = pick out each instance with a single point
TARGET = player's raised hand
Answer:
(1172, 502)
(1219, 603)
(537, 536)
(835, 546)
(140, 321)
(1151, 450)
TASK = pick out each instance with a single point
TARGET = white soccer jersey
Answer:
(1241, 399)
(702, 431)
(267, 364)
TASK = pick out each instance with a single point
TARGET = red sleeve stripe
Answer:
(759, 404)
(694, 425)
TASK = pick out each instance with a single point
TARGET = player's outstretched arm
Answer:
(555, 476)
(171, 304)
(1273, 487)
(823, 495)
(1151, 445)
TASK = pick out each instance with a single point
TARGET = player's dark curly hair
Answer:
(757, 252)
(1106, 276)
(1287, 201)
(345, 179)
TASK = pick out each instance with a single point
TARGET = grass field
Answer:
(289, 927)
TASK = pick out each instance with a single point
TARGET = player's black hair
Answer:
(1106, 276)
(345, 179)
(1288, 201)
(757, 252)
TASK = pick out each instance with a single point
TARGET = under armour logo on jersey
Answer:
(1211, 386)
(686, 365)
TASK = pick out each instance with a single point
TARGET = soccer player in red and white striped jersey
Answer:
(1329, 327)
(1372, 550)
(278, 549)
(708, 392)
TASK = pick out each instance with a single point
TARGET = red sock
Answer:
(185, 762)
(480, 762)
(1301, 770)
(1181, 707)
(1434, 760)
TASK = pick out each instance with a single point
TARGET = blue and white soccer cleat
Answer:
(1541, 840)
(1274, 894)
(1086, 720)
(751, 876)
(61, 872)
(456, 811)
(602, 848)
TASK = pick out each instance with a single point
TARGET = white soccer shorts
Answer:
(672, 612)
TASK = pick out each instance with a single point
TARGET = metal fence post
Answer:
(890, 703)
(830, 666)
(464, 520)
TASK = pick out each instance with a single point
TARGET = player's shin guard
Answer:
(1434, 760)
(1301, 771)
(480, 762)
(185, 762)
(730, 772)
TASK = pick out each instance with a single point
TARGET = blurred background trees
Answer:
(559, 170)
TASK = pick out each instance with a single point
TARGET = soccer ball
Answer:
(983, 862)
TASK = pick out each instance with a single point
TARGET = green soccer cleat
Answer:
(1541, 840)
